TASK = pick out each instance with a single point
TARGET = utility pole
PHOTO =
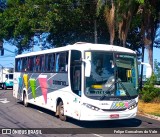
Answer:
(1, 73)
(1, 48)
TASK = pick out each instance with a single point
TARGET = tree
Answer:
(2, 8)
(64, 22)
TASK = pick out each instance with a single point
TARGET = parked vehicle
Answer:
(6, 78)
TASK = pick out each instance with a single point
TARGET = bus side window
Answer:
(46, 63)
(30, 64)
(18, 65)
(61, 62)
(24, 64)
(49, 62)
(57, 62)
(37, 63)
(34, 64)
(42, 63)
(53, 63)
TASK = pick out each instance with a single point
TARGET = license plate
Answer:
(114, 116)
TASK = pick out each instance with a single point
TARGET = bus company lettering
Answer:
(57, 82)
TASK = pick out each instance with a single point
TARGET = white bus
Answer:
(84, 81)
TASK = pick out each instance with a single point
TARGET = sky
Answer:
(8, 59)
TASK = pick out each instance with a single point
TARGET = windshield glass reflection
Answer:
(112, 76)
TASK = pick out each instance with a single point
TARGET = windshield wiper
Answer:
(119, 82)
(128, 95)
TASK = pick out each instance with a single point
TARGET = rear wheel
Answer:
(61, 111)
(4, 86)
(25, 103)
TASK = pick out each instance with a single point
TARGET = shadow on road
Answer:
(94, 124)
(108, 123)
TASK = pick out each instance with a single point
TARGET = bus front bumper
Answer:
(92, 115)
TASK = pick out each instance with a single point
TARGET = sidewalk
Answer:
(149, 116)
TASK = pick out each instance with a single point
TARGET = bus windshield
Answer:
(112, 75)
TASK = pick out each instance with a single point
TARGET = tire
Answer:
(61, 111)
(25, 103)
(4, 87)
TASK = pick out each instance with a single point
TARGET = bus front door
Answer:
(76, 89)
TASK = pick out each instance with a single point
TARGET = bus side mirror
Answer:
(87, 67)
(148, 69)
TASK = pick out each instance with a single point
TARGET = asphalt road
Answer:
(32, 121)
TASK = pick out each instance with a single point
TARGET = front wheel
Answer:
(61, 111)
(5, 87)
(25, 103)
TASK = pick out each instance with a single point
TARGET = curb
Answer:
(149, 116)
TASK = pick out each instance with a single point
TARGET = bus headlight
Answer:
(132, 106)
(91, 107)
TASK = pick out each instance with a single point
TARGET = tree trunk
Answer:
(110, 20)
(124, 25)
(141, 78)
(149, 38)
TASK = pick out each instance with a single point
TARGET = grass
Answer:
(149, 108)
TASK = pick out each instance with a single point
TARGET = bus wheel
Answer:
(25, 103)
(61, 111)
(4, 86)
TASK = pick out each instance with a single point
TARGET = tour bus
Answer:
(83, 81)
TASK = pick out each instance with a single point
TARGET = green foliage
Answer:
(156, 68)
(66, 21)
(149, 93)
(140, 1)
(151, 81)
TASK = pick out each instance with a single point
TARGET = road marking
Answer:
(39, 111)
(4, 100)
(97, 135)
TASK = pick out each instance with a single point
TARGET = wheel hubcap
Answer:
(61, 110)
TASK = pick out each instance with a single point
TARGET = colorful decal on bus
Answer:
(43, 85)
(25, 78)
(33, 87)
(20, 83)
(123, 104)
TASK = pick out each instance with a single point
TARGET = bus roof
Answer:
(81, 46)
